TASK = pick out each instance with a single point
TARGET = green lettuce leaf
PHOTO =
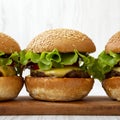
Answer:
(34, 57)
(4, 61)
(43, 66)
(44, 63)
(89, 65)
(15, 56)
(2, 53)
(54, 56)
(53, 59)
(47, 60)
(69, 58)
(106, 62)
(23, 59)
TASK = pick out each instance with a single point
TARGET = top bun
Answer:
(113, 43)
(64, 40)
(7, 44)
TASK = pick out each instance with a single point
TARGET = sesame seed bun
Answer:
(53, 88)
(113, 44)
(112, 87)
(10, 87)
(65, 40)
(58, 89)
(7, 44)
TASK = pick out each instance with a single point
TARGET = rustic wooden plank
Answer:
(92, 105)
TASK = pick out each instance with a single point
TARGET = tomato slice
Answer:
(34, 66)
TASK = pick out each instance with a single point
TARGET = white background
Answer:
(24, 19)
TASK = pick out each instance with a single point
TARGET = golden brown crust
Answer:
(10, 87)
(8, 44)
(112, 87)
(113, 44)
(65, 40)
(58, 89)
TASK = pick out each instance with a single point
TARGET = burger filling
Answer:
(108, 65)
(55, 64)
(69, 72)
(7, 67)
(114, 72)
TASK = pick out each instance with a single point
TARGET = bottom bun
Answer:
(10, 87)
(58, 89)
(112, 87)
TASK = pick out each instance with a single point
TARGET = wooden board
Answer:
(91, 105)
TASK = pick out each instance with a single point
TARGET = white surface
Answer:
(24, 19)
(60, 118)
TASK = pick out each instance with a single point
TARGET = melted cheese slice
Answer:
(7, 71)
(61, 71)
(116, 69)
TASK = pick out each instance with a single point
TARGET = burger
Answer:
(10, 83)
(109, 66)
(60, 65)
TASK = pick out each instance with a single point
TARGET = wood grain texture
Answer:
(93, 105)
